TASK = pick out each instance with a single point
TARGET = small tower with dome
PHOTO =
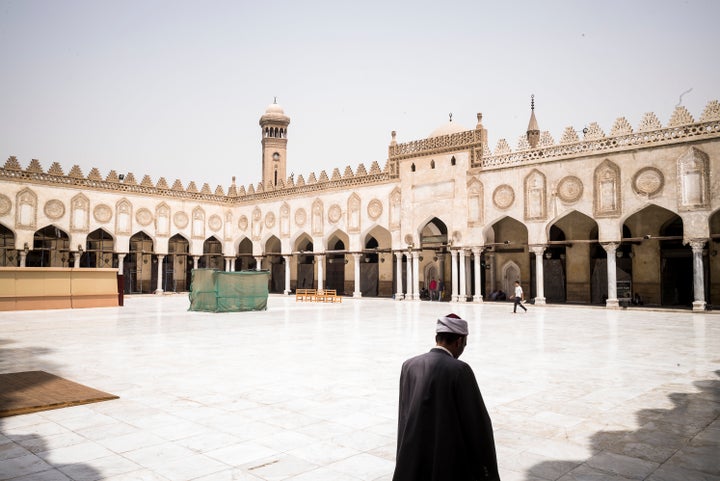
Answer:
(274, 125)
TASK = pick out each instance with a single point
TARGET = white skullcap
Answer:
(452, 323)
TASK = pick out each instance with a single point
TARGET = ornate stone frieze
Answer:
(353, 212)
(243, 223)
(162, 220)
(181, 219)
(285, 220)
(198, 223)
(54, 209)
(334, 213)
(606, 196)
(144, 217)
(270, 220)
(649, 122)
(317, 218)
(374, 209)
(570, 189)
(123, 217)
(256, 225)
(680, 116)
(215, 222)
(621, 127)
(300, 217)
(693, 180)
(475, 203)
(5, 204)
(80, 213)
(535, 196)
(26, 210)
(503, 196)
(395, 208)
(648, 181)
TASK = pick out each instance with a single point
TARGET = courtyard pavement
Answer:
(308, 392)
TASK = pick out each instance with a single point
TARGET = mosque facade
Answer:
(629, 216)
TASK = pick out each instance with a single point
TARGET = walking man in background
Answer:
(444, 430)
(518, 297)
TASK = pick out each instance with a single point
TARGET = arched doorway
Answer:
(712, 279)
(275, 264)
(212, 254)
(245, 260)
(177, 265)
(305, 263)
(140, 265)
(8, 254)
(335, 264)
(99, 250)
(435, 257)
(51, 248)
(507, 256)
(369, 274)
(660, 265)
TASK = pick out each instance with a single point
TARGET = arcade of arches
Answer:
(652, 264)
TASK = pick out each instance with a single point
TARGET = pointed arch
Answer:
(535, 196)
(123, 217)
(693, 180)
(26, 209)
(317, 217)
(162, 220)
(475, 207)
(285, 220)
(198, 223)
(353, 209)
(8, 252)
(79, 213)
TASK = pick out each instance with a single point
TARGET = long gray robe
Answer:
(444, 430)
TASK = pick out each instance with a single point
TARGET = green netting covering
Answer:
(218, 291)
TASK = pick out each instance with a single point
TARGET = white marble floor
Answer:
(309, 392)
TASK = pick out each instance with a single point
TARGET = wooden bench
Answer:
(327, 295)
(302, 295)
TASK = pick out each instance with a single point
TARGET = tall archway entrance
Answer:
(139, 265)
(99, 250)
(212, 254)
(305, 263)
(434, 247)
(276, 264)
(245, 260)
(507, 257)
(177, 265)
(335, 264)
(712, 279)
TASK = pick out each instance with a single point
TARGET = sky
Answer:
(176, 88)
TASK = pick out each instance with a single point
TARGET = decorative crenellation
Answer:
(648, 133)
(470, 140)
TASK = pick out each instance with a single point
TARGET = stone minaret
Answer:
(274, 125)
(533, 131)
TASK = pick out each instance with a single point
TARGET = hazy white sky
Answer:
(176, 89)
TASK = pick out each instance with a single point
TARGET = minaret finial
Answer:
(450, 116)
(532, 102)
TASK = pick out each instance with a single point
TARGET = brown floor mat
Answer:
(32, 391)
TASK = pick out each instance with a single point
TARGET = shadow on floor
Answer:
(677, 444)
(24, 451)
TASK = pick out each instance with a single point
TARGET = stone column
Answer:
(477, 295)
(320, 270)
(416, 274)
(287, 274)
(454, 275)
(490, 260)
(539, 275)
(196, 259)
(463, 278)
(698, 275)
(23, 256)
(76, 259)
(398, 276)
(121, 264)
(610, 249)
(258, 263)
(160, 258)
(408, 276)
(356, 273)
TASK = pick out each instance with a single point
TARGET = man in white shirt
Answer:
(518, 297)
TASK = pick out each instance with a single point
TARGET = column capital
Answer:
(697, 245)
(477, 250)
(357, 255)
(538, 249)
(415, 254)
(610, 247)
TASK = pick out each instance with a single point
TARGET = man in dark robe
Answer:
(444, 430)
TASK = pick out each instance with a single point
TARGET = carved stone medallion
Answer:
(570, 189)
(269, 220)
(300, 217)
(374, 209)
(243, 223)
(102, 213)
(181, 220)
(504, 196)
(5, 204)
(408, 239)
(54, 209)
(334, 213)
(144, 217)
(215, 222)
(648, 181)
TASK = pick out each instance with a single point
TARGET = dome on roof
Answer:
(447, 129)
(274, 113)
